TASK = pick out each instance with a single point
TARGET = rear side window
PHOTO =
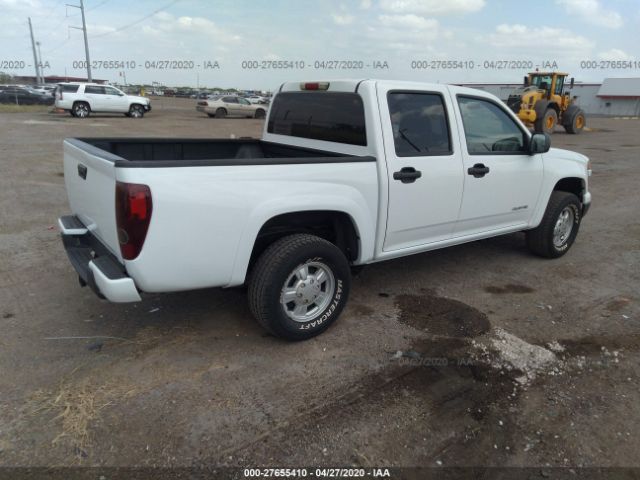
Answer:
(68, 88)
(419, 123)
(94, 89)
(329, 116)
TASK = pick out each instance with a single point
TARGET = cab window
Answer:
(489, 129)
(559, 85)
(111, 91)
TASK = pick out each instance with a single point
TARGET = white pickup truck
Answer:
(346, 173)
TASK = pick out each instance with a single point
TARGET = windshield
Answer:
(543, 82)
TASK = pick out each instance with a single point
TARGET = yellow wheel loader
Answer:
(543, 102)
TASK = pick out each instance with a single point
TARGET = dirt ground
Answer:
(480, 354)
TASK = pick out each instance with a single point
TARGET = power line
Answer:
(124, 27)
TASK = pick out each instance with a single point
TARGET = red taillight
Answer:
(133, 214)
(314, 86)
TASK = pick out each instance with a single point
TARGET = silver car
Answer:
(230, 106)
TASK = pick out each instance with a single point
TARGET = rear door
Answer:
(95, 95)
(424, 165)
(232, 106)
(89, 177)
(501, 180)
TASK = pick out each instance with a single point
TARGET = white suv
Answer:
(80, 99)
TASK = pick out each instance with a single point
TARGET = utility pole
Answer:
(35, 55)
(40, 64)
(86, 40)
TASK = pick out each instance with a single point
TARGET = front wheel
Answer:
(299, 286)
(559, 227)
(136, 111)
(548, 122)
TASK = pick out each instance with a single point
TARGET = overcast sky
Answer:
(396, 31)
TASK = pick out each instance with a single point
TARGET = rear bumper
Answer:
(96, 266)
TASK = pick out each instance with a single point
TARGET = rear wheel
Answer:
(210, 115)
(559, 227)
(221, 113)
(260, 113)
(299, 286)
(136, 111)
(81, 110)
(576, 123)
(548, 122)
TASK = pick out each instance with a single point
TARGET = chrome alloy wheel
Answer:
(308, 291)
(564, 226)
(81, 110)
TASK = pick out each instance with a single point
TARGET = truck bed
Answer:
(158, 152)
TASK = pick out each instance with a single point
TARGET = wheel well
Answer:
(335, 227)
(554, 106)
(571, 185)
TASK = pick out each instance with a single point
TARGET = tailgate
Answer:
(90, 178)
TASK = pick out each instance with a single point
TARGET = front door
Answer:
(501, 180)
(424, 166)
(115, 100)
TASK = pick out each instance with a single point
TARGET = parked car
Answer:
(346, 173)
(23, 96)
(43, 89)
(82, 99)
(230, 106)
(256, 99)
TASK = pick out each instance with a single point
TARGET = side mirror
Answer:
(539, 143)
(526, 81)
(572, 81)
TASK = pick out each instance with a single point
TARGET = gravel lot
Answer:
(475, 355)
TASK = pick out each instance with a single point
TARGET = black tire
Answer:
(276, 265)
(221, 113)
(81, 109)
(540, 240)
(548, 122)
(72, 114)
(210, 115)
(260, 113)
(576, 123)
(136, 111)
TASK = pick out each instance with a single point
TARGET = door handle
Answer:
(479, 170)
(407, 175)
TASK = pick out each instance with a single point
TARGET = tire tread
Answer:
(539, 239)
(265, 268)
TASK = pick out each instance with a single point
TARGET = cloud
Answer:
(410, 21)
(342, 19)
(615, 54)
(166, 24)
(517, 36)
(591, 11)
(365, 4)
(432, 7)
